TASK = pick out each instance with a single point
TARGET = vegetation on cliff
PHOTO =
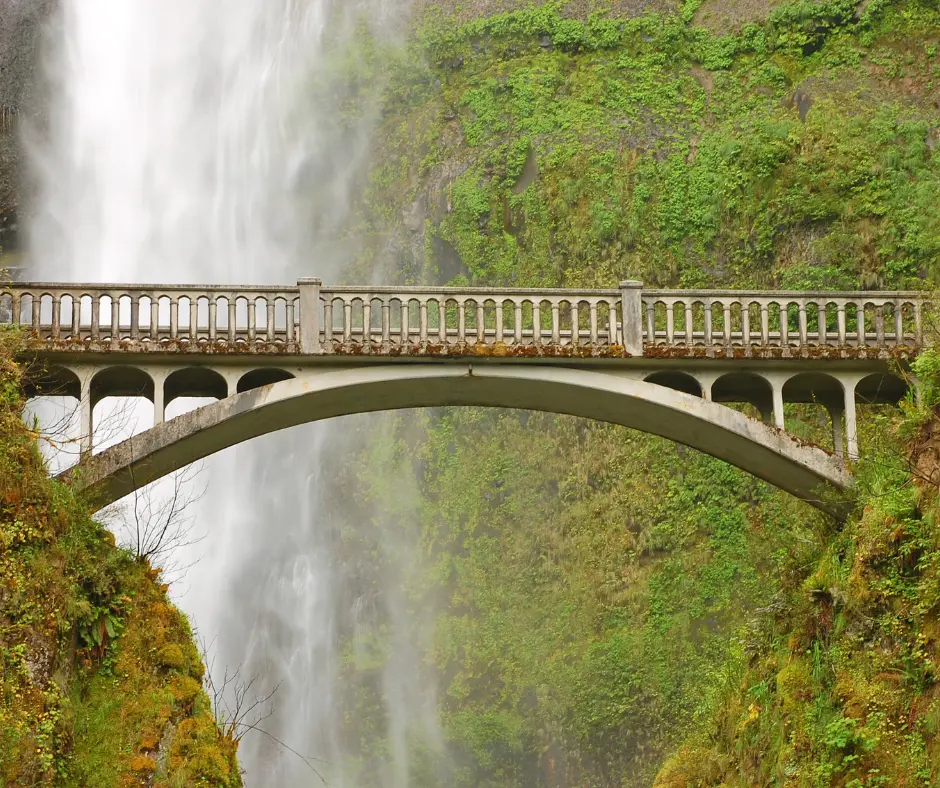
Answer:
(101, 683)
(610, 607)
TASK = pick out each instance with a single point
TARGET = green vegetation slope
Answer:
(610, 609)
(101, 683)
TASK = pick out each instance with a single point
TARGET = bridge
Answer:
(669, 362)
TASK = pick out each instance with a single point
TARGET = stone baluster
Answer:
(709, 331)
(193, 318)
(213, 317)
(461, 321)
(95, 316)
(442, 321)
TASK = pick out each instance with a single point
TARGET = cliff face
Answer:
(101, 681)
(604, 597)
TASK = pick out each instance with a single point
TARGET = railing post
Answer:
(310, 315)
(631, 292)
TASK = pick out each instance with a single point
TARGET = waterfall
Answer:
(183, 144)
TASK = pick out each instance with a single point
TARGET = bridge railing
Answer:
(461, 317)
(311, 318)
(154, 313)
(726, 318)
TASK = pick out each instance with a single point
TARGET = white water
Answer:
(184, 145)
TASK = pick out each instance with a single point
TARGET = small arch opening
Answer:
(747, 388)
(199, 382)
(121, 382)
(51, 382)
(881, 389)
(810, 387)
(262, 377)
(678, 381)
(815, 402)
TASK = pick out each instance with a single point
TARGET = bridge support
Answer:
(86, 419)
(851, 424)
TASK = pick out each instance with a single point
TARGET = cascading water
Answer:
(183, 144)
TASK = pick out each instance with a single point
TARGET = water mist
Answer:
(182, 144)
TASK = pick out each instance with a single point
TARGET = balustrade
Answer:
(148, 314)
(470, 317)
(722, 319)
(337, 319)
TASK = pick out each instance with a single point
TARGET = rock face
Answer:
(21, 24)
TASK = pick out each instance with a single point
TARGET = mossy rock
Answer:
(171, 657)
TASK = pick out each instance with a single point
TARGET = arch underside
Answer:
(805, 471)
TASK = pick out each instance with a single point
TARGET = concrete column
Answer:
(836, 411)
(310, 315)
(851, 425)
(159, 397)
(86, 420)
(779, 421)
(706, 381)
(632, 314)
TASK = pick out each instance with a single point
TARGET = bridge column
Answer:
(632, 316)
(851, 425)
(309, 315)
(777, 388)
(159, 395)
(86, 419)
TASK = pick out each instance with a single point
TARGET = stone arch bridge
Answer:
(668, 362)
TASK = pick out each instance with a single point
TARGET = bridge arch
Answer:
(805, 471)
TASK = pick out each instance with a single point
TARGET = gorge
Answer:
(477, 596)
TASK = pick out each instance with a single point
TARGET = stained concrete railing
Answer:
(722, 318)
(314, 319)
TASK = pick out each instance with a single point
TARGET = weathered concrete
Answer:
(805, 471)
(654, 360)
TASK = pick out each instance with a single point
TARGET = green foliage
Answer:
(96, 666)
(602, 597)
(787, 152)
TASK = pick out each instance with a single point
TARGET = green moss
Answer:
(86, 636)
